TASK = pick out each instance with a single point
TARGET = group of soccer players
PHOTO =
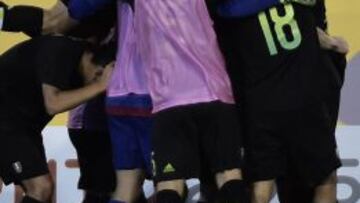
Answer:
(241, 94)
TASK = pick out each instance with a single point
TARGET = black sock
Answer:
(96, 198)
(168, 196)
(233, 191)
(28, 199)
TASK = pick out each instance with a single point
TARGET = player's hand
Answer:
(340, 45)
(106, 75)
(328, 42)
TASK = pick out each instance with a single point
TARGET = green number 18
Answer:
(280, 22)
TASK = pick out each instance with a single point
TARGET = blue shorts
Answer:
(130, 133)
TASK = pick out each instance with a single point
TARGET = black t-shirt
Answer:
(274, 58)
(52, 60)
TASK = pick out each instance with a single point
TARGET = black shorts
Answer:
(186, 136)
(93, 149)
(289, 186)
(22, 156)
(299, 140)
(339, 64)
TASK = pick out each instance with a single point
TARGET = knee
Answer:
(173, 185)
(326, 193)
(40, 189)
(262, 192)
(228, 175)
(260, 197)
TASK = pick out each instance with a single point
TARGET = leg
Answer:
(222, 128)
(174, 185)
(317, 145)
(39, 188)
(262, 191)
(228, 175)
(231, 187)
(176, 153)
(326, 192)
(129, 187)
(27, 167)
(131, 151)
(97, 174)
(170, 191)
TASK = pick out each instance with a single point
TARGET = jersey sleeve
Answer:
(320, 14)
(81, 9)
(27, 19)
(243, 8)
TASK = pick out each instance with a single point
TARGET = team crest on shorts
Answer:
(18, 167)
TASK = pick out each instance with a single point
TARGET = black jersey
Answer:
(320, 14)
(24, 68)
(274, 58)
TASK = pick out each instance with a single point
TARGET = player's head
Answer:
(95, 59)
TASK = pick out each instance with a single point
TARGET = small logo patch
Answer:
(18, 167)
(169, 168)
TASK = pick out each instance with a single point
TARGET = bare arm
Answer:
(57, 19)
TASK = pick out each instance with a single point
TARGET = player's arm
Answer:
(35, 21)
(58, 101)
(57, 19)
(243, 8)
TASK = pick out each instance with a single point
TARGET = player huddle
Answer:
(241, 94)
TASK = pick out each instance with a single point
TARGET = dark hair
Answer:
(103, 54)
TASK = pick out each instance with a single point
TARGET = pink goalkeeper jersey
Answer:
(184, 64)
(129, 74)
